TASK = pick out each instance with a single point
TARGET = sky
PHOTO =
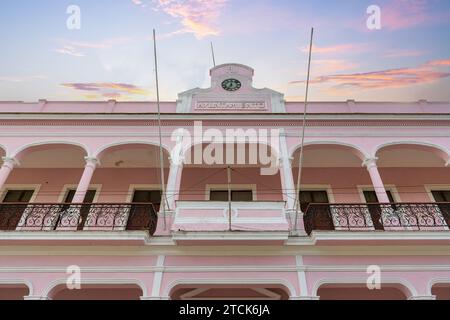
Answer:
(50, 52)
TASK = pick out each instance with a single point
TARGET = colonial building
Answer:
(81, 197)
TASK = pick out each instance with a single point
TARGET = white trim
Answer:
(301, 274)
(76, 236)
(131, 142)
(388, 187)
(412, 142)
(51, 142)
(7, 187)
(221, 116)
(297, 147)
(233, 236)
(234, 186)
(157, 277)
(67, 187)
(363, 280)
(140, 187)
(435, 187)
(233, 268)
(434, 281)
(319, 187)
(25, 282)
(243, 282)
(269, 295)
(379, 236)
(58, 282)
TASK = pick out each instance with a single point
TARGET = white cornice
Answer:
(217, 116)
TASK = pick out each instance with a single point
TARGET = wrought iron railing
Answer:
(388, 217)
(69, 217)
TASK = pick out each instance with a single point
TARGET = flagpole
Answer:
(300, 163)
(213, 56)
(161, 154)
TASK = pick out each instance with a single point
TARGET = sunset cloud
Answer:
(403, 53)
(25, 78)
(389, 78)
(403, 14)
(335, 49)
(197, 16)
(108, 90)
(69, 50)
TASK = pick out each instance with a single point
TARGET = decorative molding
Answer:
(10, 162)
(363, 280)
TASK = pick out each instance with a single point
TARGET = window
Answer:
(374, 209)
(236, 195)
(148, 196)
(371, 196)
(312, 196)
(89, 198)
(22, 196)
(84, 210)
(441, 195)
(14, 196)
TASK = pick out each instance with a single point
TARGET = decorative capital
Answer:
(92, 161)
(10, 162)
(370, 162)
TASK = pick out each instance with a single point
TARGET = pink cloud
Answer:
(197, 16)
(69, 50)
(390, 78)
(402, 14)
(403, 53)
(108, 90)
(340, 48)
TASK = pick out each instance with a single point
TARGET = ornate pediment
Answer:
(231, 91)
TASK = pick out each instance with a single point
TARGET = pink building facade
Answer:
(81, 198)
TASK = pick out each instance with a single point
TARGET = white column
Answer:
(377, 182)
(8, 165)
(85, 181)
(173, 183)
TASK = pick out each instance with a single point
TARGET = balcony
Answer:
(78, 217)
(377, 217)
(249, 221)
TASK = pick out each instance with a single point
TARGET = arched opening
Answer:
(416, 170)
(46, 168)
(41, 176)
(130, 172)
(229, 292)
(333, 169)
(249, 171)
(254, 172)
(353, 291)
(441, 291)
(97, 292)
(13, 291)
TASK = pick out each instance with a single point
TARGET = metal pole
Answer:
(161, 154)
(300, 163)
(229, 197)
(213, 56)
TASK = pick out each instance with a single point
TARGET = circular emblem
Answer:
(231, 84)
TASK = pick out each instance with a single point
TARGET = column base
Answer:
(36, 298)
(422, 298)
(305, 298)
(154, 298)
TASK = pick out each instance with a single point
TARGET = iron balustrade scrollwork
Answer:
(71, 217)
(379, 216)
